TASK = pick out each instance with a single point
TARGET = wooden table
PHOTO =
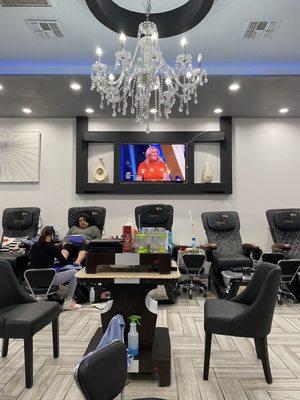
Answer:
(128, 292)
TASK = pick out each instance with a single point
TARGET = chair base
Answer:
(193, 286)
(286, 294)
(227, 292)
(222, 287)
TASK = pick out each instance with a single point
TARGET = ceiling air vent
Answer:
(260, 29)
(26, 3)
(45, 29)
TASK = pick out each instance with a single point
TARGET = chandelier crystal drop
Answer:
(144, 83)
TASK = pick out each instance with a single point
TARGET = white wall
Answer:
(266, 172)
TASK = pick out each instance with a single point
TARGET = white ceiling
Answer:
(218, 37)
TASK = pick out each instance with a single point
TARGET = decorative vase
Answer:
(207, 173)
(100, 174)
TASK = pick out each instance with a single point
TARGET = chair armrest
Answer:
(281, 246)
(209, 248)
(250, 246)
(252, 251)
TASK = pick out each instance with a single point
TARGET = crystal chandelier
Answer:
(144, 82)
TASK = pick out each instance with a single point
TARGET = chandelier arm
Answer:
(118, 82)
(180, 84)
(173, 76)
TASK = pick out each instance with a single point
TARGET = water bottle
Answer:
(193, 244)
(92, 295)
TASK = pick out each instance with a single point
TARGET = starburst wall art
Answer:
(20, 157)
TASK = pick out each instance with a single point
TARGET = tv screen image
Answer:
(152, 162)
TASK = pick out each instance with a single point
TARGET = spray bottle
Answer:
(133, 336)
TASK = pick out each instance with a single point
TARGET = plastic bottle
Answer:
(133, 335)
(193, 244)
(129, 235)
(92, 295)
(130, 222)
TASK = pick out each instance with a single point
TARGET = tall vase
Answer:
(100, 174)
(207, 173)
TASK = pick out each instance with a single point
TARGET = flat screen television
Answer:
(153, 162)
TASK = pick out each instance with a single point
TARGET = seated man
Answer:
(86, 228)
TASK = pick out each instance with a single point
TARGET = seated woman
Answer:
(85, 227)
(42, 255)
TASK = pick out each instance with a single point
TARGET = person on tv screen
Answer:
(153, 168)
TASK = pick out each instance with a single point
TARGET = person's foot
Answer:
(105, 295)
(70, 305)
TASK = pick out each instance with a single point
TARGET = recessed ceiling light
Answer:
(153, 110)
(1, 87)
(75, 86)
(234, 87)
(284, 110)
(26, 110)
(218, 110)
(89, 110)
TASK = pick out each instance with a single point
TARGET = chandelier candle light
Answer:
(144, 82)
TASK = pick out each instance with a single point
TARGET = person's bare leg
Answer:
(80, 257)
(65, 253)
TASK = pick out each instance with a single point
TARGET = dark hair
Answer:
(46, 231)
(87, 216)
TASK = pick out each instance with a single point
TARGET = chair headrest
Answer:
(221, 221)
(155, 215)
(288, 220)
(17, 218)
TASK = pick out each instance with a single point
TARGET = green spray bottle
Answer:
(133, 336)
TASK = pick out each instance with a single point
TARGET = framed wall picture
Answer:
(20, 157)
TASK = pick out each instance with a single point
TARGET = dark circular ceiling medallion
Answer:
(169, 23)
